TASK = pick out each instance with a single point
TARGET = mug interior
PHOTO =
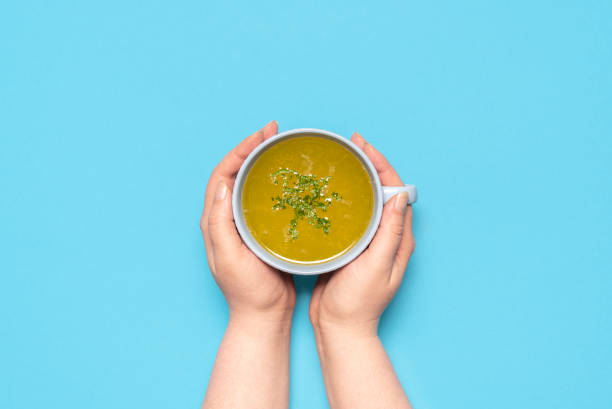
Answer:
(306, 268)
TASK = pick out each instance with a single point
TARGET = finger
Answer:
(207, 245)
(315, 299)
(406, 247)
(226, 171)
(231, 163)
(358, 140)
(224, 239)
(388, 176)
(270, 130)
(386, 241)
(228, 167)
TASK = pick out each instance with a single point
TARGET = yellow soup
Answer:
(307, 199)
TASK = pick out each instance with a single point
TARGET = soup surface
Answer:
(307, 199)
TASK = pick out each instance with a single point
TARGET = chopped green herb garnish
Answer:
(307, 195)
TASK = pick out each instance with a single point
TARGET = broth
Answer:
(346, 197)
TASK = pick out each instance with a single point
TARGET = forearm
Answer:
(357, 371)
(252, 365)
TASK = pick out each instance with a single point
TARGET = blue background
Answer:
(113, 114)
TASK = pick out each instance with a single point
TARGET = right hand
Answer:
(354, 297)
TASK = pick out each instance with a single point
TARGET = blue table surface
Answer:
(114, 113)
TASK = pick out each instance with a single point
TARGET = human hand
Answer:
(252, 288)
(353, 298)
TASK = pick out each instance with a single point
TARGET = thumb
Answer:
(386, 242)
(223, 234)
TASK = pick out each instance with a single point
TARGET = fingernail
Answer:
(365, 143)
(221, 191)
(270, 125)
(401, 201)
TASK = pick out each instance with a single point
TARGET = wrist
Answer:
(329, 330)
(261, 324)
(265, 311)
(340, 342)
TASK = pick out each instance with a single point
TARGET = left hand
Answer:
(251, 287)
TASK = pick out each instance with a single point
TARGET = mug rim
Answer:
(306, 268)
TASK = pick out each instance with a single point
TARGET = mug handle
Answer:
(390, 191)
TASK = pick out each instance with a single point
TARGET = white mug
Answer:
(381, 195)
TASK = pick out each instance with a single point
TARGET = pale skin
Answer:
(252, 365)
